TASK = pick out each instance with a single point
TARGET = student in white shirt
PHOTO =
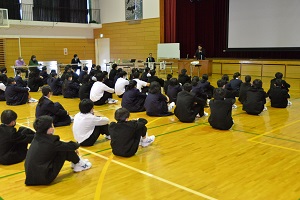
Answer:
(101, 93)
(121, 83)
(139, 83)
(87, 127)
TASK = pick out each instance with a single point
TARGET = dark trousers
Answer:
(198, 109)
(61, 120)
(95, 135)
(103, 99)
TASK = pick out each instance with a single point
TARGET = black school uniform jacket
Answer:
(156, 105)
(48, 108)
(133, 100)
(221, 113)
(34, 83)
(20, 82)
(85, 90)
(40, 158)
(243, 91)
(125, 136)
(10, 139)
(71, 89)
(279, 97)
(255, 101)
(15, 95)
(184, 107)
(173, 92)
(55, 85)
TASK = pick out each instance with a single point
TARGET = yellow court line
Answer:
(152, 176)
(101, 178)
(154, 120)
(250, 139)
(273, 145)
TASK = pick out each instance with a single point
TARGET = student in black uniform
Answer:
(55, 83)
(133, 100)
(173, 89)
(183, 77)
(188, 105)
(44, 74)
(70, 87)
(256, 99)
(113, 72)
(244, 88)
(156, 104)
(34, 80)
(153, 78)
(235, 84)
(47, 154)
(145, 74)
(127, 135)
(13, 142)
(85, 88)
(19, 80)
(55, 110)
(15, 95)
(278, 95)
(167, 83)
(284, 84)
(220, 110)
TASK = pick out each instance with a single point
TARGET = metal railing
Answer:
(29, 12)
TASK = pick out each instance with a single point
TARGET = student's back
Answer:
(278, 95)
(244, 88)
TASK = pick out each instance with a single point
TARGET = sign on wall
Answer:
(133, 9)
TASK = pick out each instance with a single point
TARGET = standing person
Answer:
(100, 93)
(150, 58)
(220, 110)
(127, 135)
(75, 61)
(47, 154)
(256, 99)
(200, 53)
(244, 88)
(121, 83)
(278, 95)
(151, 62)
(87, 127)
(16, 95)
(55, 110)
(156, 104)
(133, 100)
(188, 106)
(13, 142)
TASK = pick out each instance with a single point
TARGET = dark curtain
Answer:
(205, 22)
(13, 8)
(170, 21)
(74, 11)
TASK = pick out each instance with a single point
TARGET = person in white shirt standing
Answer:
(87, 127)
(121, 83)
(100, 93)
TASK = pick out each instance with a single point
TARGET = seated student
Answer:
(13, 142)
(156, 104)
(203, 89)
(19, 81)
(284, 85)
(47, 154)
(55, 110)
(85, 88)
(55, 84)
(278, 95)
(2, 88)
(100, 93)
(67, 72)
(256, 98)
(44, 74)
(228, 93)
(167, 83)
(133, 70)
(87, 127)
(3, 72)
(195, 81)
(183, 77)
(141, 85)
(244, 88)
(220, 110)
(16, 95)
(70, 88)
(235, 84)
(188, 105)
(133, 100)
(225, 78)
(121, 83)
(173, 89)
(34, 80)
(83, 73)
(117, 76)
(127, 135)
(153, 78)
(145, 74)
(113, 72)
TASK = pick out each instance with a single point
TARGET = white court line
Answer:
(145, 173)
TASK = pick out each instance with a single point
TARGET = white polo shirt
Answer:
(98, 89)
(120, 86)
(140, 84)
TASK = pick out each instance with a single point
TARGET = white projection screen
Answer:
(264, 24)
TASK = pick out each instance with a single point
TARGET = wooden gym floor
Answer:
(257, 159)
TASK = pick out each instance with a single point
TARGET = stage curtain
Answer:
(170, 21)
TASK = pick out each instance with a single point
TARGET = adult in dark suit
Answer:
(278, 95)
(256, 98)
(200, 53)
(55, 110)
(188, 106)
(150, 58)
(15, 95)
(133, 100)
(47, 154)
(220, 110)
(13, 142)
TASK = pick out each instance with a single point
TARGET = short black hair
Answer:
(136, 74)
(236, 74)
(131, 85)
(100, 77)
(154, 88)
(225, 77)
(114, 66)
(122, 114)
(187, 87)
(205, 77)
(173, 81)
(195, 80)
(279, 75)
(46, 90)
(221, 83)
(75, 55)
(86, 105)
(219, 93)
(7, 116)
(123, 73)
(42, 124)
(278, 83)
(257, 83)
(248, 79)
(183, 71)
(10, 80)
(169, 76)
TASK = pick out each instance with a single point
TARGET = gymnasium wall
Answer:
(131, 40)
